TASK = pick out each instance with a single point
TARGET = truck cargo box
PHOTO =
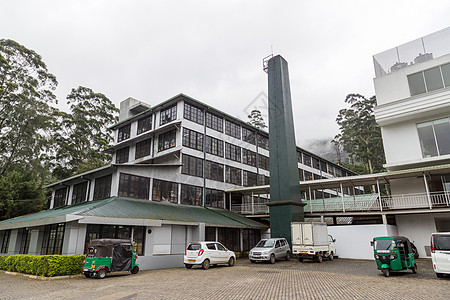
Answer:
(309, 233)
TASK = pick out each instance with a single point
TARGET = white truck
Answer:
(310, 240)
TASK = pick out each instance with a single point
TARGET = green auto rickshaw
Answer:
(109, 255)
(393, 253)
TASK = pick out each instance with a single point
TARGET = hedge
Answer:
(43, 265)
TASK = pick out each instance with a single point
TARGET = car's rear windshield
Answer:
(194, 247)
(265, 244)
(442, 242)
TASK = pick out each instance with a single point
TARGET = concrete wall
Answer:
(165, 245)
(353, 241)
(418, 229)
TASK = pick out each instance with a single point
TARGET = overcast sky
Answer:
(213, 50)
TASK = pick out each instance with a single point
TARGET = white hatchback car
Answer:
(208, 253)
(440, 253)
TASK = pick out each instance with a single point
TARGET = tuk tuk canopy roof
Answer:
(108, 242)
(402, 239)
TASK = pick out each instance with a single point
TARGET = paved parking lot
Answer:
(339, 279)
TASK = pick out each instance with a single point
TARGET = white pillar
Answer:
(428, 190)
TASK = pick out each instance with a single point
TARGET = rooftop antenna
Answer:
(266, 60)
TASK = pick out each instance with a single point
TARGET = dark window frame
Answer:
(134, 186)
(192, 165)
(123, 155)
(232, 129)
(165, 191)
(143, 148)
(124, 133)
(79, 192)
(102, 187)
(191, 195)
(168, 115)
(145, 124)
(167, 140)
(193, 113)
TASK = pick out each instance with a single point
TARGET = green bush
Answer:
(43, 265)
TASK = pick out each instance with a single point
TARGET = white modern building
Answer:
(172, 163)
(412, 86)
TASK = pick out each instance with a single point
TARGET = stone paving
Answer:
(338, 279)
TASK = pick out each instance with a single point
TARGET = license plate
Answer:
(191, 260)
(303, 252)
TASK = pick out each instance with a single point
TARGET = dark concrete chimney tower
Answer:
(285, 203)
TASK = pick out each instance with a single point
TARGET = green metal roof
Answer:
(126, 208)
(363, 202)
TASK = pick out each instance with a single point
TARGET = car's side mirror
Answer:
(371, 243)
(334, 240)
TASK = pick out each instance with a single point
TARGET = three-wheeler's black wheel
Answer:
(386, 272)
(414, 269)
(101, 274)
(135, 270)
(88, 274)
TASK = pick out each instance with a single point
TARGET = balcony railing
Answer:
(359, 203)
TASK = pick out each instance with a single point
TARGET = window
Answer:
(102, 188)
(144, 124)
(193, 113)
(143, 148)
(232, 152)
(249, 178)
(306, 159)
(323, 166)
(60, 197)
(214, 146)
(191, 195)
(5, 241)
(233, 129)
(214, 122)
(434, 137)
(248, 136)
(300, 175)
(233, 175)
(192, 139)
(433, 79)
(429, 80)
(168, 115)
(134, 186)
(214, 171)
(192, 165)
(97, 231)
(316, 163)
(122, 155)
(308, 175)
(299, 157)
(249, 157)
(79, 193)
(124, 133)
(263, 162)
(167, 140)
(165, 191)
(52, 241)
(250, 238)
(214, 198)
(263, 142)
(24, 240)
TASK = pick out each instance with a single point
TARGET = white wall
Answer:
(417, 228)
(353, 241)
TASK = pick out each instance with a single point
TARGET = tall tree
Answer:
(256, 119)
(20, 193)
(26, 89)
(84, 133)
(360, 135)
